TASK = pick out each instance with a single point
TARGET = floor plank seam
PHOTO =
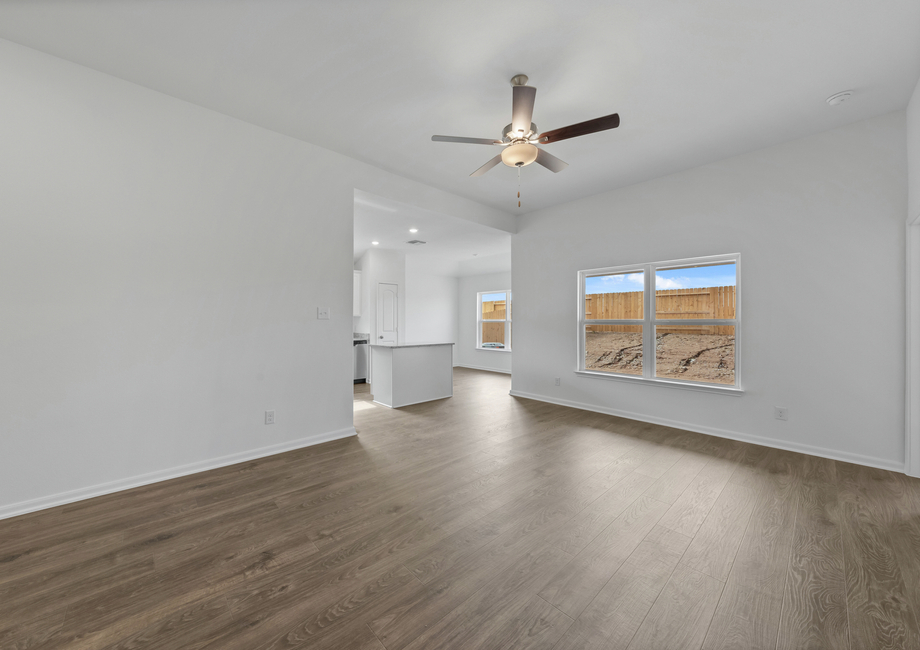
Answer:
(843, 551)
(382, 644)
(747, 525)
(570, 618)
(713, 617)
(649, 610)
(788, 569)
(229, 608)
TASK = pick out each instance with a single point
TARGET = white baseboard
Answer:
(809, 450)
(54, 500)
(465, 365)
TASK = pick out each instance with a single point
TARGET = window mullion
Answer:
(697, 321)
(648, 338)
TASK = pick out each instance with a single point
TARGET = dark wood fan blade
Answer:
(550, 161)
(522, 109)
(489, 165)
(582, 128)
(451, 138)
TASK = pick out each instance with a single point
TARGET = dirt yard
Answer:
(694, 357)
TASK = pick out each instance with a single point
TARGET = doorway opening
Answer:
(418, 274)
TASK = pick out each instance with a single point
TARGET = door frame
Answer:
(912, 353)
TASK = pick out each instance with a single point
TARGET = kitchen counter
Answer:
(411, 373)
(406, 345)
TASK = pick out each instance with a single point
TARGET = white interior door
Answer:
(387, 308)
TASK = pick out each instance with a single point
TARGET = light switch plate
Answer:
(322, 313)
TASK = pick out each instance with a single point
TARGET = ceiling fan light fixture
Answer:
(519, 155)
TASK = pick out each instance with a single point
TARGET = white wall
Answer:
(912, 425)
(378, 266)
(160, 269)
(431, 306)
(913, 155)
(820, 225)
(467, 353)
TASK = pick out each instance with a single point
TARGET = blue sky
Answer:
(722, 275)
(491, 297)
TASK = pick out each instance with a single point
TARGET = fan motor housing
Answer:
(507, 134)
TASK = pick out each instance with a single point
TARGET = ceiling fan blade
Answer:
(522, 108)
(550, 161)
(451, 138)
(489, 165)
(582, 128)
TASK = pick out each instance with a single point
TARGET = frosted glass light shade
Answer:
(518, 155)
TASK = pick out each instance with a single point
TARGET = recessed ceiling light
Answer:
(375, 242)
(413, 229)
(839, 98)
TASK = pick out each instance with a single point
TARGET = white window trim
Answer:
(649, 323)
(506, 321)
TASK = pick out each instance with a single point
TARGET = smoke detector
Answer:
(416, 242)
(839, 98)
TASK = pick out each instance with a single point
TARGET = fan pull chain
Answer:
(519, 187)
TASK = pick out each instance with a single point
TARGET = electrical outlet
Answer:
(269, 417)
(780, 412)
(558, 381)
(322, 313)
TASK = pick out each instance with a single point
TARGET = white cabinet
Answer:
(356, 295)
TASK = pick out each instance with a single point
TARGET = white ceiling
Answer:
(693, 82)
(453, 246)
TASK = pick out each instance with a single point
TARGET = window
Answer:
(685, 332)
(494, 320)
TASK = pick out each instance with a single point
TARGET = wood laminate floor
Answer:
(480, 521)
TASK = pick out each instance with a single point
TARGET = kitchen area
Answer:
(403, 373)
(406, 297)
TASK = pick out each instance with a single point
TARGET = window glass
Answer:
(494, 306)
(615, 296)
(494, 320)
(695, 292)
(614, 348)
(493, 335)
(703, 353)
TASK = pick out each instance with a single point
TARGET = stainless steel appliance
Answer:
(360, 345)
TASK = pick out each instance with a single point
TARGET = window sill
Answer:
(494, 349)
(684, 385)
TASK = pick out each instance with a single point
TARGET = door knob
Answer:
(381, 336)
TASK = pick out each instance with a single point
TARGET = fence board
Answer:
(493, 332)
(675, 304)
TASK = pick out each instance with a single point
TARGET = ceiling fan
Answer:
(520, 138)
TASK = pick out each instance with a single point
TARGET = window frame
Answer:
(649, 323)
(506, 320)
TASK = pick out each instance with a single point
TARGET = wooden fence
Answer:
(679, 304)
(493, 332)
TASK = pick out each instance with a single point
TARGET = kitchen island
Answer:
(410, 373)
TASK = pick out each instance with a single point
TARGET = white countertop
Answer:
(405, 345)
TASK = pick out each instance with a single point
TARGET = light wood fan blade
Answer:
(489, 165)
(550, 161)
(582, 128)
(451, 138)
(522, 109)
